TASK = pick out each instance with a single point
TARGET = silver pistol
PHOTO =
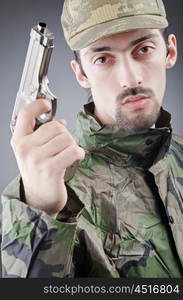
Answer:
(34, 82)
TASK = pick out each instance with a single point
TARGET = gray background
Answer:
(16, 20)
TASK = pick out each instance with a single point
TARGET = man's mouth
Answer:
(137, 101)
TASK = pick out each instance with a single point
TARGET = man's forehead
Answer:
(126, 37)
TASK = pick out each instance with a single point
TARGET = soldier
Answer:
(107, 203)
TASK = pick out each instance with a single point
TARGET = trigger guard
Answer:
(46, 117)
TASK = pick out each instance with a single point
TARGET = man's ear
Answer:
(81, 78)
(172, 51)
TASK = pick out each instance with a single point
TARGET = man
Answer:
(110, 203)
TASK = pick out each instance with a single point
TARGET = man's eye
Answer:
(146, 50)
(100, 60)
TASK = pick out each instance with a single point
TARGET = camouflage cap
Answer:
(86, 21)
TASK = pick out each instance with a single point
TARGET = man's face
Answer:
(127, 74)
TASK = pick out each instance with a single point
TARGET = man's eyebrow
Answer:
(132, 43)
(99, 49)
(143, 38)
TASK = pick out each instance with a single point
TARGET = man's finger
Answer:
(48, 131)
(63, 122)
(26, 118)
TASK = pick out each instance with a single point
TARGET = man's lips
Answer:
(135, 101)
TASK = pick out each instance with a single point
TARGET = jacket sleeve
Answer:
(33, 244)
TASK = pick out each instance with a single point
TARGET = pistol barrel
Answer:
(34, 82)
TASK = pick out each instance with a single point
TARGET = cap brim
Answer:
(91, 35)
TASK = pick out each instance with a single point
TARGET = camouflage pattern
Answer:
(84, 22)
(31, 239)
(124, 213)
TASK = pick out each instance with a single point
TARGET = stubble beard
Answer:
(139, 119)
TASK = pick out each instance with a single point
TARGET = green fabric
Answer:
(124, 212)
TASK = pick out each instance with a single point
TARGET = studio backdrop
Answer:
(16, 20)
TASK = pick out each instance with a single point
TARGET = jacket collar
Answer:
(138, 150)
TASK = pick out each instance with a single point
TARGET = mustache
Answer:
(134, 92)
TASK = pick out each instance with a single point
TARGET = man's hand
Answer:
(43, 156)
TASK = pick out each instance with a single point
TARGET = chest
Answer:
(125, 207)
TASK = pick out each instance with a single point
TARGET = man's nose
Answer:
(130, 74)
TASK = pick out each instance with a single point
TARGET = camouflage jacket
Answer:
(124, 212)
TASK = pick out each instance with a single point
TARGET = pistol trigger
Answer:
(46, 117)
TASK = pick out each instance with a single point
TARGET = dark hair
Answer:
(78, 59)
(164, 33)
(165, 36)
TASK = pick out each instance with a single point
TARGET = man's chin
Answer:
(137, 121)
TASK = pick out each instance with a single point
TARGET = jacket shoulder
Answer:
(178, 139)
